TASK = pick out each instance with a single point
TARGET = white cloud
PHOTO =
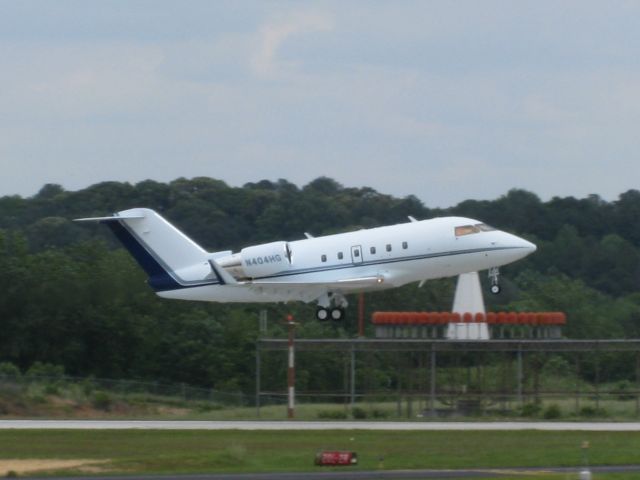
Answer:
(277, 31)
(408, 98)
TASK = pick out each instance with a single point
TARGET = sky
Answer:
(443, 100)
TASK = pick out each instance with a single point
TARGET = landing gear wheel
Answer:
(337, 314)
(322, 314)
(494, 275)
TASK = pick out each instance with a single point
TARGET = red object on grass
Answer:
(336, 458)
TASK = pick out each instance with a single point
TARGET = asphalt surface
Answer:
(296, 425)
(373, 474)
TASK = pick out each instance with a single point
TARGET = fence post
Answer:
(258, 379)
(399, 393)
(597, 378)
(353, 377)
(577, 383)
(637, 383)
(519, 375)
(432, 382)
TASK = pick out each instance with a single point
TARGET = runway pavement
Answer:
(296, 425)
(372, 474)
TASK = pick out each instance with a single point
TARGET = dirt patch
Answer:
(31, 465)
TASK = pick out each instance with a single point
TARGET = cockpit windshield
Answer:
(485, 228)
(471, 229)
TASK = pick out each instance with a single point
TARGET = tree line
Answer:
(71, 296)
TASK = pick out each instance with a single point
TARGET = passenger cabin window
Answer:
(323, 258)
(471, 229)
(373, 250)
(388, 247)
(340, 255)
(356, 253)
(405, 245)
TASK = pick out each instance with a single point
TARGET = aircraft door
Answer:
(356, 254)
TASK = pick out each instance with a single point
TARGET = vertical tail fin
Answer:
(170, 258)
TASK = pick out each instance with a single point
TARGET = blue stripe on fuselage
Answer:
(382, 261)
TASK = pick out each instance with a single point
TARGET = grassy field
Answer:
(85, 398)
(134, 451)
(607, 410)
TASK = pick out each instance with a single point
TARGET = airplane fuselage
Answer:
(392, 255)
(322, 269)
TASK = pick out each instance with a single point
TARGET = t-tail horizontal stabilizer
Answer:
(114, 218)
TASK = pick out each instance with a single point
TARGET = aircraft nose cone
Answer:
(531, 247)
(526, 247)
(520, 247)
(512, 248)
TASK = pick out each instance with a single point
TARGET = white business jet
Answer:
(322, 269)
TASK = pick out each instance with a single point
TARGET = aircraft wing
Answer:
(305, 291)
(344, 284)
(225, 278)
(310, 291)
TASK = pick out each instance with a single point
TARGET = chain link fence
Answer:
(149, 391)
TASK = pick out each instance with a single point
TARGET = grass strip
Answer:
(161, 451)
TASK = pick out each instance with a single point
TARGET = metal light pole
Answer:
(291, 371)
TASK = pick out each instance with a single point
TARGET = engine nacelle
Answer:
(263, 260)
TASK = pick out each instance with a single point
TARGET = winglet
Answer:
(412, 219)
(221, 274)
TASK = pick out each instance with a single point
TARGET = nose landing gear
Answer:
(494, 276)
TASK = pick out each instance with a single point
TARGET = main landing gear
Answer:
(323, 314)
(331, 306)
(494, 276)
